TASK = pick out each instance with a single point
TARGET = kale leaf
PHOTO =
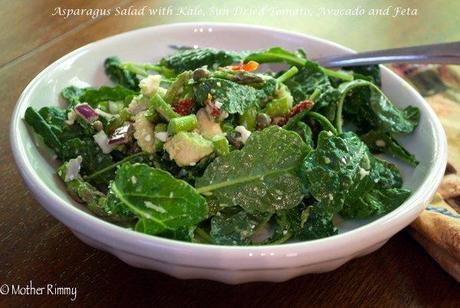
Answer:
(93, 158)
(72, 95)
(318, 224)
(92, 96)
(373, 107)
(305, 133)
(119, 75)
(344, 177)
(236, 227)
(117, 93)
(386, 174)
(56, 118)
(235, 98)
(47, 131)
(160, 201)
(306, 81)
(381, 142)
(336, 169)
(310, 79)
(261, 177)
(191, 59)
(104, 206)
(297, 58)
(367, 72)
(376, 202)
(277, 55)
(304, 222)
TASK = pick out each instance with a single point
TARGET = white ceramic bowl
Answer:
(222, 263)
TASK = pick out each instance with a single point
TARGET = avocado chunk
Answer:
(186, 148)
(206, 126)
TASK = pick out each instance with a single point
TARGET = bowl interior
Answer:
(84, 68)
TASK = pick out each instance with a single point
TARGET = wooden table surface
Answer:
(36, 247)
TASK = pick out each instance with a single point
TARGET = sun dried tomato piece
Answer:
(184, 106)
(304, 105)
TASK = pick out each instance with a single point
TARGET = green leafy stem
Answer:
(143, 69)
(120, 195)
(288, 74)
(112, 166)
(325, 123)
(206, 190)
(344, 91)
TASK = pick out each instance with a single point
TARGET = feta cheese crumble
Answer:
(244, 133)
(150, 84)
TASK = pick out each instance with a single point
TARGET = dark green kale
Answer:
(161, 202)
(337, 168)
(309, 79)
(302, 223)
(235, 98)
(319, 224)
(297, 58)
(191, 59)
(92, 96)
(376, 202)
(278, 55)
(341, 171)
(234, 226)
(119, 75)
(57, 119)
(364, 102)
(367, 72)
(72, 95)
(381, 142)
(262, 176)
(306, 81)
(98, 203)
(47, 131)
(386, 174)
(305, 133)
(117, 93)
(93, 158)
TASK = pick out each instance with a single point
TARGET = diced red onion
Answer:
(86, 112)
(121, 134)
(103, 142)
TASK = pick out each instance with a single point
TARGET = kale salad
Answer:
(208, 146)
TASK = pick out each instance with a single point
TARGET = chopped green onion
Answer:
(163, 108)
(288, 74)
(182, 124)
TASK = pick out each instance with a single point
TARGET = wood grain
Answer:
(35, 246)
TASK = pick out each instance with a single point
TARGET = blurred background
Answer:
(435, 21)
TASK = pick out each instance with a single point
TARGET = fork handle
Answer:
(446, 53)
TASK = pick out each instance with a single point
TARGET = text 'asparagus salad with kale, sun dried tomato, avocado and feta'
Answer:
(207, 147)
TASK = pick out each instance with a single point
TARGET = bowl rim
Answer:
(129, 241)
